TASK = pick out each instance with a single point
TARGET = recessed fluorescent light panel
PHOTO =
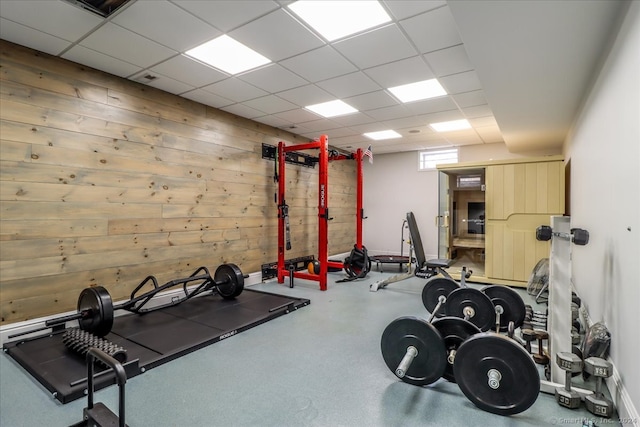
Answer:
(419, 90)
(337, 19)
(383, 134)
(332, 108)
(450, 126)
(228, 55)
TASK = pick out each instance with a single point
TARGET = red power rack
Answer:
(323, 209)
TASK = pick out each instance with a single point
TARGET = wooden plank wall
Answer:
(106, 181)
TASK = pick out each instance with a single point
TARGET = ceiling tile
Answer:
(389, 113)
(401, 72)
(319, 64)
(485, 121)
(100, 61)
(273, 78)
(447, 61)
(463, 137)
(402, 9)
(349, 142)
(170, 26)
(28, 37)
(189, 71)
(459, 83)
(443, 116)
(207, 98)
(470, 99)
(477, 111)
(277, 36)
(243, 110)
(381, 46)
(490, 134)
(371, 101)
(271, 104)
(306, 95)
(432, 30)
(353, 119)
(317, 126)
(162, 82)
(57, 18)
(407, 123)
(299, 115)
(121, 43)
(227, 14)
(274, 121)
(434, 105)
(349, 85)
(235, 90)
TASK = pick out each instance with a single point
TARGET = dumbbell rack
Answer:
(559, 317)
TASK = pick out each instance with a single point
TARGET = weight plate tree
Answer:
(496, 374)
(96, 311)
(473, 305)
(433, 289)
(454, 331)
(513, 307)
(229, 280)
(416, 343)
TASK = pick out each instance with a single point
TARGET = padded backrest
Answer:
(416, 240)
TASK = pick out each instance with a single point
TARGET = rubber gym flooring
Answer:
(318, 366)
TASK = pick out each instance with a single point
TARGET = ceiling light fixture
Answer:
(227, 55)
(337, 19)
(332, 108)
(451, 125)
(419, 90)
(383, 134)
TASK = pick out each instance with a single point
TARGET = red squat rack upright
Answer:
(323, 208)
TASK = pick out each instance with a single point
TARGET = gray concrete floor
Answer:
(318, 366)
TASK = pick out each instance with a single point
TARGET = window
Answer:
(429, 159)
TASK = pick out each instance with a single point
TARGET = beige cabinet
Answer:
(519, 195)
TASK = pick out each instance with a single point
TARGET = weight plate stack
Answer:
(454, 331)
(462, 299)
(433, 289)
(431, 359)
(496, 374)
(513, 306)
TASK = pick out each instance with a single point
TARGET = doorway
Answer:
(461, 220)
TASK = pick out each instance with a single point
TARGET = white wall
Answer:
(393, 186)
(605, 199)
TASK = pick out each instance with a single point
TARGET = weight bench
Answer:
(424, 269)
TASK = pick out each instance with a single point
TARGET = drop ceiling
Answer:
(517, 70)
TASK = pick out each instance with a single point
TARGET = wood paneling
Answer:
(106, 181)
(520, 197)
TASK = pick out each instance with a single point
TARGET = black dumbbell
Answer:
(570, 363)
(577, 235)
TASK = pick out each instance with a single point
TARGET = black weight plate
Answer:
(431, 360)
(485, 313)
(96, 306)
(433, 289)
(454, 331)
(229, 280)
(513, 306)
(519, 385)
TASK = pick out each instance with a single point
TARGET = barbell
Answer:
(95, 309)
